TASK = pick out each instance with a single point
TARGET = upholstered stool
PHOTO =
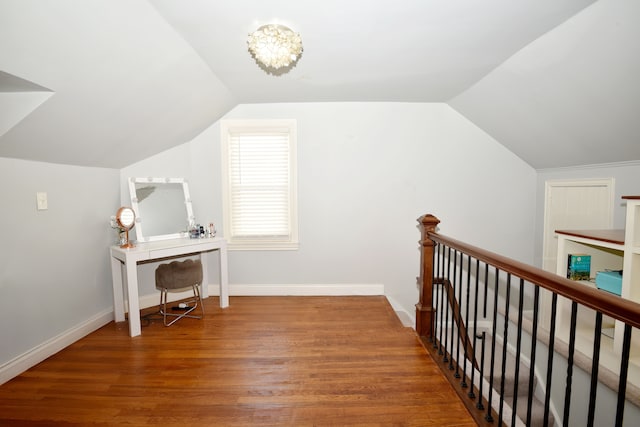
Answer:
(179, 275)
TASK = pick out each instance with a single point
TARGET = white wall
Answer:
(54, 264)
(366, 172)
(627, 183)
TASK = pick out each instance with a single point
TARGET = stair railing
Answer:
(463, 285)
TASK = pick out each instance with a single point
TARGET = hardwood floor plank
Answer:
(269, 361)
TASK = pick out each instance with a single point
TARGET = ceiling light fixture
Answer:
(275, 46)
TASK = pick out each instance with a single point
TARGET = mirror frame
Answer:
(140, 236)
(127, 212)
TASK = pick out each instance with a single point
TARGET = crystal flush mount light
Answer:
(275, 46)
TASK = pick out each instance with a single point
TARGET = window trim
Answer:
(259, 242)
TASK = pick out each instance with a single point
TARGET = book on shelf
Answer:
(578, 266)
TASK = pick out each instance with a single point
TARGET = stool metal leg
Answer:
(163, 306)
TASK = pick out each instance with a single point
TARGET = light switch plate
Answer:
(41, 199)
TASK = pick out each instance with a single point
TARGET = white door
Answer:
(574, 205)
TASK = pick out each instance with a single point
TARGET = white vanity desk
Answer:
(124, 263)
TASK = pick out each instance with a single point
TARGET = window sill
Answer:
(262, 246)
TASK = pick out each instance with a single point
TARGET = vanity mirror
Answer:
(126, 220)
(162, 206)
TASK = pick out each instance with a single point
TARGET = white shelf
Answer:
(609, 250)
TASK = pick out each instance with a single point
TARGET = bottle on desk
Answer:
(194, 231)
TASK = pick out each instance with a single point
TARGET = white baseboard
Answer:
(50, 347)
(259, 290)
(407, 319)
(301, 290)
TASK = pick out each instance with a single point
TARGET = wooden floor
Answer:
(266, 361)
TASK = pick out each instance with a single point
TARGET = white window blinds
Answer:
(260, 211)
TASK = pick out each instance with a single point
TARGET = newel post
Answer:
(424, 307)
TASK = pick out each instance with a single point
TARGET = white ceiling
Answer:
(110, 82)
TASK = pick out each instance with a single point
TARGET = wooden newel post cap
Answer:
(429, 222)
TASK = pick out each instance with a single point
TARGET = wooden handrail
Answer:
(428, 325)
(609, 304)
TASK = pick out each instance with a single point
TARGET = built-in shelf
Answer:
(615, 237)
(611, 249)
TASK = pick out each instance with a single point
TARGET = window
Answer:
(259, 184)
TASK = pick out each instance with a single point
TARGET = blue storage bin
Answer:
(610, 281)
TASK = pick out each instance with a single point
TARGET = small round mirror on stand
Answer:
(126, 219)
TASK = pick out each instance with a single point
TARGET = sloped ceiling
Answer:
(125, 85)
(570, 98)
(121, 80)
(18, 99)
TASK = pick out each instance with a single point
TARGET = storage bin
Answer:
(610, 281)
